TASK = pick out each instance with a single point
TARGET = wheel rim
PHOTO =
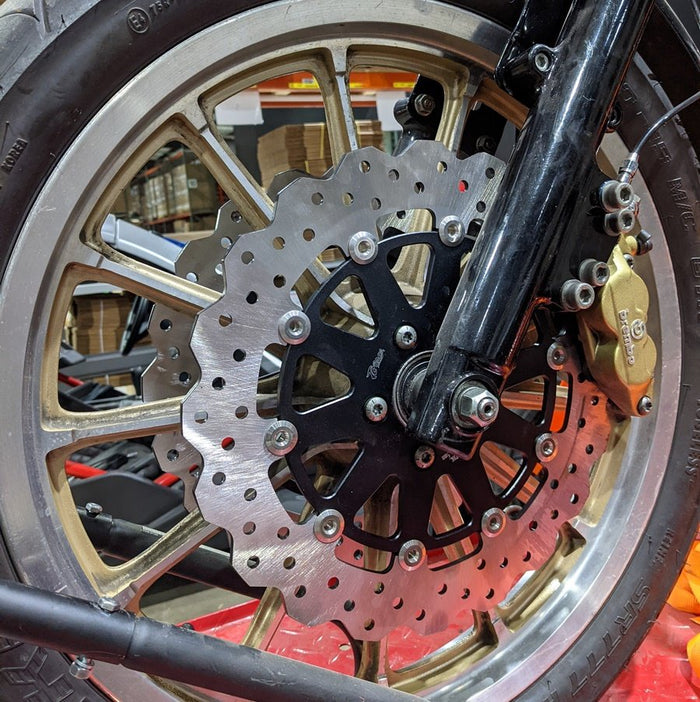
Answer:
(47, 430)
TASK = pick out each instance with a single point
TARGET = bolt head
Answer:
(281, 437)
(576, 295)
(493, 522)
(93, 509)
(542, 61)
(294, 327)
(329, 526)
(620, 222)
(81, 667)
(406, 337)
(362, 247)
(376, 409)
(424, 457)
(412, 555)
(107, 604)
(645, 405)
(424, 104)
(546, 448)
(451, 230)
(474, 406)
(557, 356)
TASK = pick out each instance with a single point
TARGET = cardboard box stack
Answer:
(306, 147)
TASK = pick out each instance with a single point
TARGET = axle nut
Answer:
(474, 406)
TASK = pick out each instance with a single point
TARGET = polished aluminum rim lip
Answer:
(92, 162)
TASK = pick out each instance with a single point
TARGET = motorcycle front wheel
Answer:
(90, 89)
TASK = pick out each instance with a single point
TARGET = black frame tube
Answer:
(76, 626)
(540, 191)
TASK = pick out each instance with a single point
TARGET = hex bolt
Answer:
(93, 509)
(329, 526)
(630, 259)
(362, 247)
(412, 555)
(424, 104)
(615, 195)
(493, 522)
(294, 327)
(424, 457)
(576, 295)
(406, 337)
(595, 273)
(645, 405)
(108, 604)
(451, 230)
(557, 356)
(281, 437)
(473, 405)
(376, 409)
(545, 448)
(620, 222)
(81, 667)
(542, 61)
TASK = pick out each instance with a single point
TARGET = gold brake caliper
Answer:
(619, 352)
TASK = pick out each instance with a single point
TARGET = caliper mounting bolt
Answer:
(615, 195)
(577, 295)
(406, 337)
(645, 405)
(281, 437)
(329, 526)
(81, 667)
(424, 104)
(545, 448)
(412, 555)
(493, 522)
(473, 405)
(620, 222)
(595, 273)
(376, 409)
(424, 457)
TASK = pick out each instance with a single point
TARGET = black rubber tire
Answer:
(61, 66)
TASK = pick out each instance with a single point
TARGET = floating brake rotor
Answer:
(347, 516)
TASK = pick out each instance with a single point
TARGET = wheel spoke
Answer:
(373, 664)
(529, 364)
(71, 430)
(131, 580)
(328, 422)
(266, 620)
(333, 82)
(158, 286)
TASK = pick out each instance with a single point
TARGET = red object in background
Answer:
(80, 470)
(658, 672)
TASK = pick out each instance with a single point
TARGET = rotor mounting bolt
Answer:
(376, 409)
(424, 457)
(329, 526)
(595, 273)
(615, 195)
(474, 406)
(576, 295)
(406, 337)
(294, 327)
(493, 522)
(412, 555)
(645, 405)
(81, 667)
(362, 247)
(281, 437)
(546, 448)
(620, 222)
(107, 604)
(451, 230)
(93, 509)
(424, 104)
(557, 356)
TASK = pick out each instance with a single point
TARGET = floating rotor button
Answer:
(281, 437)
(329, 526)
(412, 555)
(362, 247)
(294, 327)
(493, 522)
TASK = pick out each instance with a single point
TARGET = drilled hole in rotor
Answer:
(200, 416)
(333, 583)
(228, 443)
(279, 281)
(300, 591)
(278, 243)
(249, 528)
(442, 589)
(218, 478)
(595, 400)
(174, 352)
(490, 173)
(397, 603)
(393, 175)
(165, 324)
(239, 355)
(504, 563)
(554, 484)
(463, 186)
(349, 605)
(317, 199)
(490, 594)
(309, 234)
(420, 615)
(247, 257)
(289, 563)
(241, 412)
(368, 625)
(358, 554)
(173, 455)
(572, 468)
(574, 499)
(185, 378)
(375, 203)
(441, 167)
(365, 166)
(532, 526)
(419, 187)
(480, 206)
(589, 449)
(378, 587)
(480, 564)
(218, 383)
(282, 533)
(527, 556)
(250, 494)
(236, 216)
(348, 199)
(465, 594)
(252, 297)
(554, 514)
(226, 242)
(253, 562)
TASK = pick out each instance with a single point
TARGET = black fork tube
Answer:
(553, 156)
